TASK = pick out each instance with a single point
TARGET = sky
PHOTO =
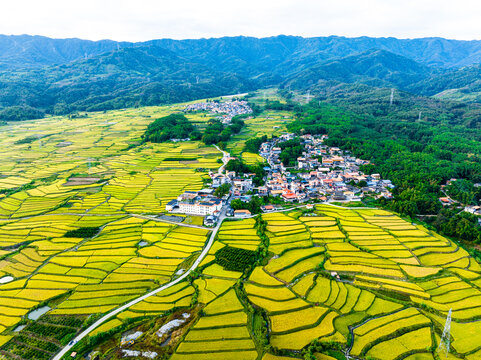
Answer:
(142, 20)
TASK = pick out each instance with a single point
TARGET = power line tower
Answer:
(196, 79)
(392, 97)
(420, 113)
(308, 97)
(446, 338)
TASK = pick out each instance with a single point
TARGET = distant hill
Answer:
(26, 51)
(60, 76)
(460, 84)
(128, 77)
(239, 52)
(374, 67)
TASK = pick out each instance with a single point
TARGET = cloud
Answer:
(149, 19)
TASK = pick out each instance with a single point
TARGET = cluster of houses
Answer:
(448, 201)
(322, 172)
(200, 203)
(240, 184)
(226, 110)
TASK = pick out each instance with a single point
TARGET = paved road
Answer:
(224, 159)
(118, 310)
(146, 217)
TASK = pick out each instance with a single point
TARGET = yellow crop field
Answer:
(238, 332)
(296, 319)
(298, 339)
(415, 340)
(224, 303)
(234, 355)
(235, 318)
(85, 236)
(274, 306)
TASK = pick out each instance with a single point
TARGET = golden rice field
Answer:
(364, 279)
(397, 281)
(389, 302)
(59, 175)
(268, 123)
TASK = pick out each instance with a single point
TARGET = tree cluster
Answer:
(417, 156)
(173, 126)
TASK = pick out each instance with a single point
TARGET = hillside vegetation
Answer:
(66, 76)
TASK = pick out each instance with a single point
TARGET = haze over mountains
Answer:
(61, 76)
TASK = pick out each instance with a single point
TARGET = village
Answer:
(321, 174)
(225, 111)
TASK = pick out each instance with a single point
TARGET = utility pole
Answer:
(446, 338)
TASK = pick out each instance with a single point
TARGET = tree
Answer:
(222, 190)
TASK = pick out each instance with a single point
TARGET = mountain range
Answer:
(61, 76)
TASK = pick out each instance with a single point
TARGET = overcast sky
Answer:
(179, 19)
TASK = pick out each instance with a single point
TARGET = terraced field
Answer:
(363, 282)
(335, 281)
(269, 123)
(366, 279)
(77, 235)
(69, 231)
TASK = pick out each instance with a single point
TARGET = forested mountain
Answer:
(460, 84)
(26, 51)
(64, 76)
(373, 67)
(124, 78)
(226, 52)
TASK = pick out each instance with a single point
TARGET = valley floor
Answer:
(79, 233)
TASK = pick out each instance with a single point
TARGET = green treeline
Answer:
(177, 126)
(173, 126)
(291, 150)
(18, 113)
(241, 168)
(253, 145)
(216, 132)
(419, 156)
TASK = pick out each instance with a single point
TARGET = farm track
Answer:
(194, 266)
(118, 310)
(146, 217)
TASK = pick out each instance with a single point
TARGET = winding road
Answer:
(118, 310)
(226, 155)
(194, 266)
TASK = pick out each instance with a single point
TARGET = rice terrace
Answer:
(84, 230)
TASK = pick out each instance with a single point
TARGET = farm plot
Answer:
(241, 234)
(221, 331)
(99, 272)
(41, 340)
(69, 234)
(75, 238)
(370, 280)
(269, 123)
(286, 232)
